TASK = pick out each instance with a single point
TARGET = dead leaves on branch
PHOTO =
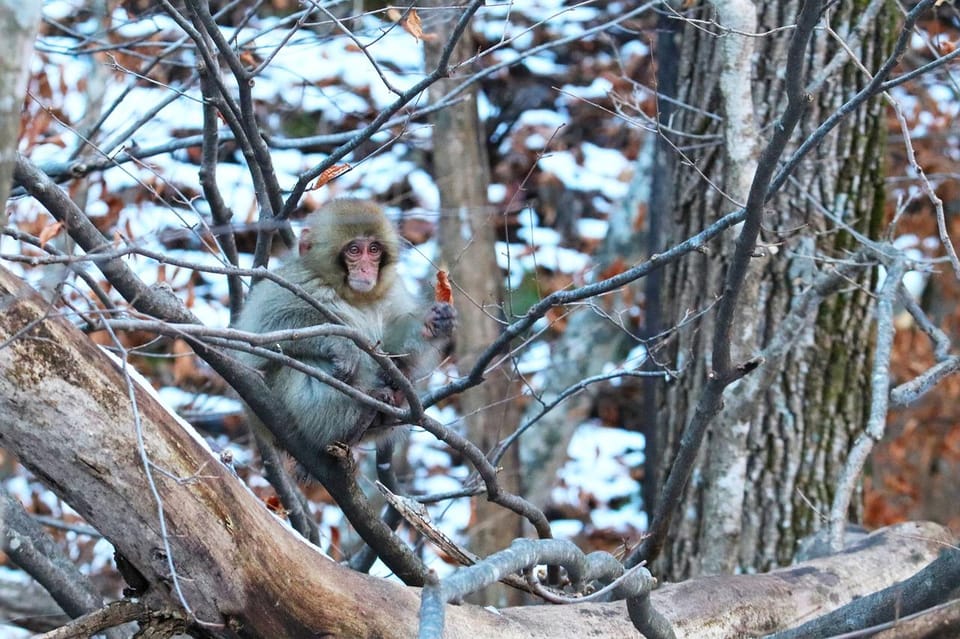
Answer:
(49, 232)
(330, 174)
(411, 23)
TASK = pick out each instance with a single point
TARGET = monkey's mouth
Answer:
(362, 284)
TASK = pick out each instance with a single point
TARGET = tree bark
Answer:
(18, 28)
(941, 622)
(28, 606)
(71, 415)
(771, 458)
(467, 241)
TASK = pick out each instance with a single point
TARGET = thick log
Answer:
(66, 412)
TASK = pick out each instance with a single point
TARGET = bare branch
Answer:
(488, 473)
(107, 618)
(30, 548)
(879, 396)
(523, 555)
(909, 392)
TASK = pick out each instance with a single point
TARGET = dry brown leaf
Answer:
(49, 232)
(274, 506)
(185, 369)
(616, 267)
(106, 222)
(248, 59)
(333, 172)
(557, 319)
(334, 548)
(191, 300)
(412, 24)
(444, 292)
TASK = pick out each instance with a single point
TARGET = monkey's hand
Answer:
(344, 369)
(441, 321)
(373, 424)
(388, 393)
(342, 358)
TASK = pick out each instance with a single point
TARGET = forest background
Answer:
(567, 109)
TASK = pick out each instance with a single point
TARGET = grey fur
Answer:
(390, 318)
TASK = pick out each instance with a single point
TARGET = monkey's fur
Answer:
(387, 315)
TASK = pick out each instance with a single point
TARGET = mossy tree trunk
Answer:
(766, 473)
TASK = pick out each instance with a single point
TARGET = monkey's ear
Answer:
(305, 243)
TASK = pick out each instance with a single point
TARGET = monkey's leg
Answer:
(363, 560)
(290, 496)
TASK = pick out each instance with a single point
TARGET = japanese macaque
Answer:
(347, 263)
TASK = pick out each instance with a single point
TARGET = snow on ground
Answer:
(601, 459)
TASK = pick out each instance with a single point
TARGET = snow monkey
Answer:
(348, 264)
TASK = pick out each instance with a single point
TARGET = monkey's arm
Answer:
(271, 307)
(416, 343)
(411, 333)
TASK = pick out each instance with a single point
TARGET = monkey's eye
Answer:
(354, 249)
(375, 248)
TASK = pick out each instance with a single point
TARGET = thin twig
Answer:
(879, 399)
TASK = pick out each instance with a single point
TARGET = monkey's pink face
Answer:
(362, 257)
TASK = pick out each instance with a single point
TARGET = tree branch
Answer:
(879, 396)
(30, 548)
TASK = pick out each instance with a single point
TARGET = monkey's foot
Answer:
(338, 450)
(343, 458)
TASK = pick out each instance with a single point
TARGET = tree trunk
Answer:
(467, 241)
(770, 461)
(18, 27)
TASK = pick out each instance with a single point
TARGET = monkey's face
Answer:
(361, 258)
(351, 247)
